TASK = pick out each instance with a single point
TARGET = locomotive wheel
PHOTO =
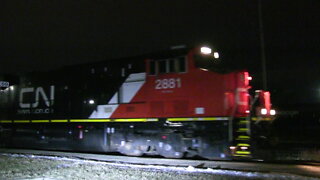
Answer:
(167, 151)
(130, 149)
(212, 151)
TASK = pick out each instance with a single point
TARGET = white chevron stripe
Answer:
(127, 91)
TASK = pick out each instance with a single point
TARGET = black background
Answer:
(41, 35)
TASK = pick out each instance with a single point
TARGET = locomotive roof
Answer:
(133, 59)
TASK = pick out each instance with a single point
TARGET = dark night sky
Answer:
(41, 35)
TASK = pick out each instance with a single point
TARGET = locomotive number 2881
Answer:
(168, 83)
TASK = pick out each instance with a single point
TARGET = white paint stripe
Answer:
(128, 90)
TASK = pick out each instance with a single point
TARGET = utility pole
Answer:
(262, 46)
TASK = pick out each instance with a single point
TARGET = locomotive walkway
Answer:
(309, 169)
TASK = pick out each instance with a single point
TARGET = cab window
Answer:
(152, 69)
(164, 66)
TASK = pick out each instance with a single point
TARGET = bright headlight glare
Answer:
(244, 148)
(205, 50)
(264, 111)
(216, 55)
(272, 112)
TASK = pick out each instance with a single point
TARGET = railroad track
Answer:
(310, 169)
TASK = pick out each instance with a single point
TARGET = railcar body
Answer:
(179, 103)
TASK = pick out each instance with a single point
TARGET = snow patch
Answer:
(189, 169)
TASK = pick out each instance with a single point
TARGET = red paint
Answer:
(264, 102)
(200, 94)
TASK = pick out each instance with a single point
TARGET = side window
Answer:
(152, 67)
(173, 65)
(182, 64)
(162, 66)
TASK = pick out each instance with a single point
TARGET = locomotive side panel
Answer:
(172, 105)
(69, 93)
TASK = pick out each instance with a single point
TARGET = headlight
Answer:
(243, 148)
(205, 50)
(264, 111)
(216, 55)
(272, 112)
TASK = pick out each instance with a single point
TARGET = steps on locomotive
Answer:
(242, 139)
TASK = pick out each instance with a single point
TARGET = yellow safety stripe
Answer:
(243, 138)
(39, 121)
(134, 120)
(243, 152)
(242, 130)
(243, 122)
(199, 119)
(89, 120)
(59, 120)
(81, 120)
(21, 121)
(241, 155)
(243, 117)
(115, 120)
(261, 119)
(5, 121)
(242, 144)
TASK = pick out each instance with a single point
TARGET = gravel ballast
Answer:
(30, 167)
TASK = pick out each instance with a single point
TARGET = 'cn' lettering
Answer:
(39, 92)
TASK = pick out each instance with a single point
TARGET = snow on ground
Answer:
(32, 167)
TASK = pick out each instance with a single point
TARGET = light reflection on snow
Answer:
(310, 168)
(189, 169)
(40, 179)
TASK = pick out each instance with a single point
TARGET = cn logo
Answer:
(39, 92)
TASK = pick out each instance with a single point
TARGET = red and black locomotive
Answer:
(178, 103)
